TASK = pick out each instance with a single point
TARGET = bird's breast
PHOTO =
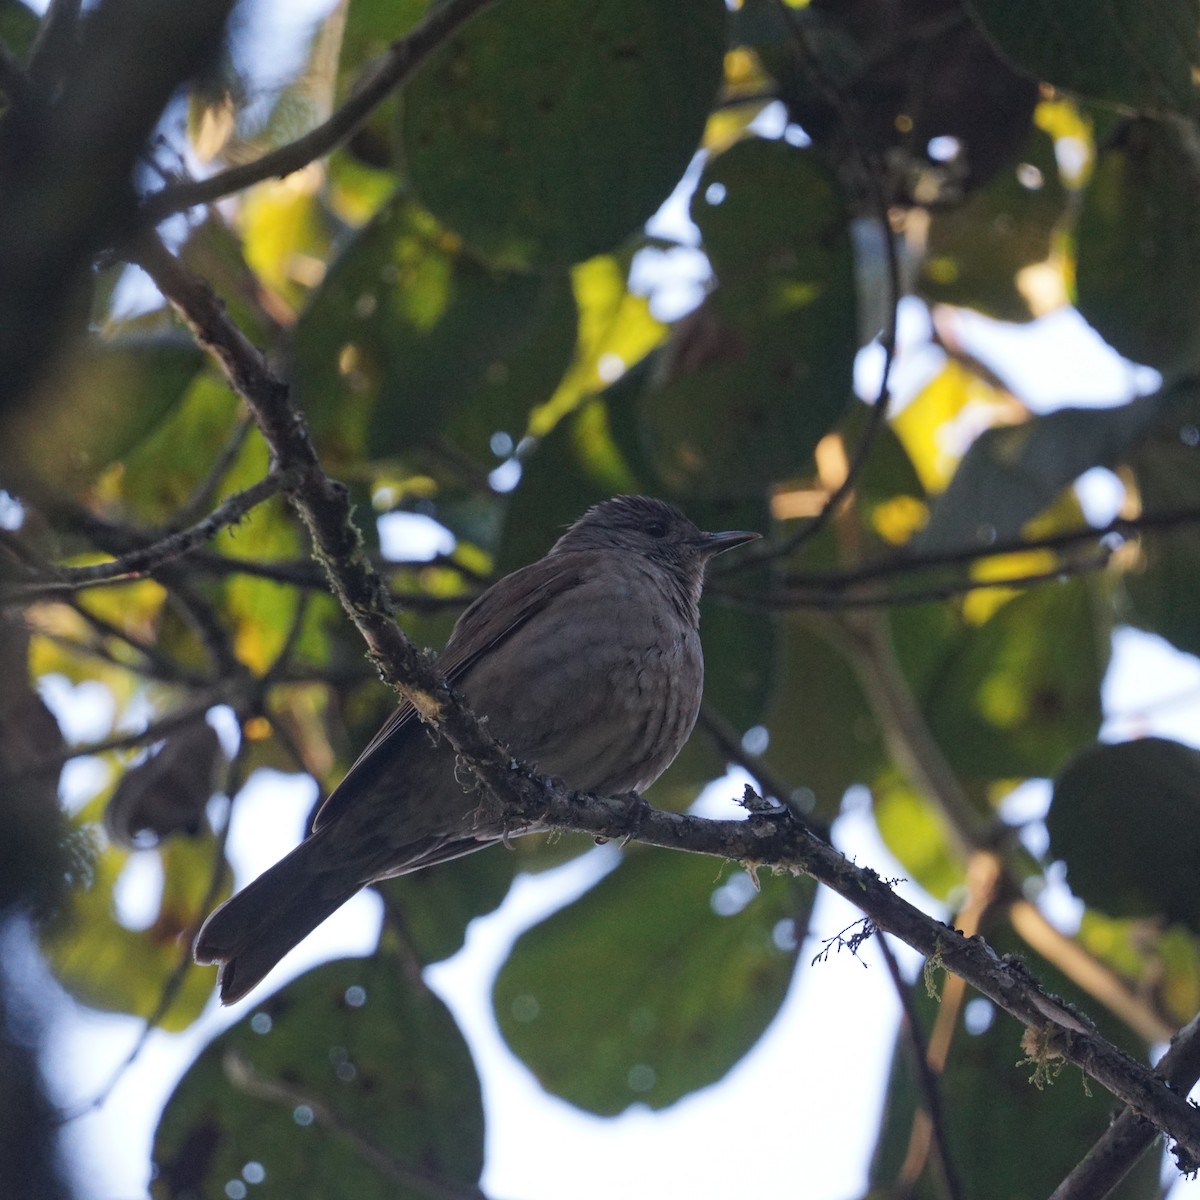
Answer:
(601, 688)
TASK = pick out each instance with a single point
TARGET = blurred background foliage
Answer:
(462, 296)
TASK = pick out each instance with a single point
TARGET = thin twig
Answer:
(1123, 528)
(206, 493)
(139, 562)
(154, 666)
(200, 615)
(232, 693)
(872, 173)
(927, 1078)
(828, 589)
(402, 58)
(305, 573)
(837, 601)
(769, 784)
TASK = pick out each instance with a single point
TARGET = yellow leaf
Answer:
(942, 420)
(616, 330)
(897, 519)
(282, 233)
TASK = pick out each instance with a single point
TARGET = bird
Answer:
(585, 664)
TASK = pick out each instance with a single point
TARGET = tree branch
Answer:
(780, 841)
(233, 694)
(527, 801)
(1131, 1134)
(909, 564)
(402, 58)
(838, 600)
(323, 505)
(58, 581)
(769, 784)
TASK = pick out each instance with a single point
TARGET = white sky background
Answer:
(811, 1090)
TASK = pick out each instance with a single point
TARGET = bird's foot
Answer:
(636, 811)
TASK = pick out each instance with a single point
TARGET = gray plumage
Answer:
(586, 664)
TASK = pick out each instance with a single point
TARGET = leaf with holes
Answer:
(411, 340)
(752, 380)
(550, 130)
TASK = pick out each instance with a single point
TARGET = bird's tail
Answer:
(253, 930)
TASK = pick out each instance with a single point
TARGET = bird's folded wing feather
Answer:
(496, 615)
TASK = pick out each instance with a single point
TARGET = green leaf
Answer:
(915, 832)
(740, 656)
(410, 340)
(371, 26)
(1021, 692)
(102, 401)
(436, 906)
(262, 611)
(823, 735)
(1138, 54)
(351, 1066)
(576, 465)
(1020, 209)
(643, 991)
(108, 966)
(1138, 257)
(741, 653)
(550, 130)
(214, 251)
(18, 27)
(1162, 965)
(164, 470)
(1011, 473)
(1126, 819)
(753, 379)
(1163, 579)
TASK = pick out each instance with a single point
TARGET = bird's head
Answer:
(652, 528)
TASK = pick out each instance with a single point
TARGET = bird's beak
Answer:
(713, 544)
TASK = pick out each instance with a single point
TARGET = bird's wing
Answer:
(491, 619)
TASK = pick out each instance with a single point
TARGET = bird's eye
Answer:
(657, 529)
